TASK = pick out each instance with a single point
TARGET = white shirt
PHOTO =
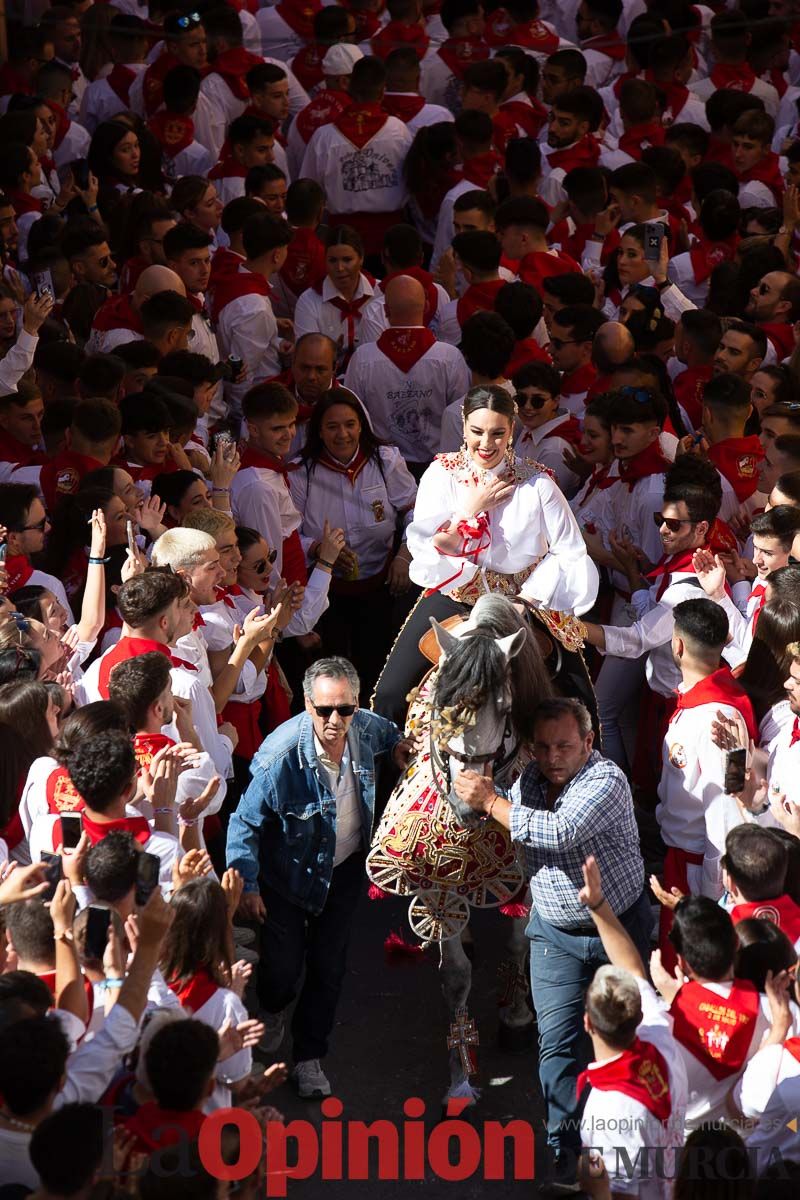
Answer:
(356, 180)
(535, 525)
(651, 632)
(374, 319)
(629, 512)
(315, 314)
(100, 102)
(342, 783)
(261, 500)
(17, 361)
(429, 114)
(277, 37)
(246, 327)
(406, 408)
(770, 1093)
(163, 845)
(541, 445)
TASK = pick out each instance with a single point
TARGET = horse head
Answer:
(471, 705)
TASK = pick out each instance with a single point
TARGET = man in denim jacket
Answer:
(299, 838)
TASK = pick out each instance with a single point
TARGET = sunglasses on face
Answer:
(534, 402)
(262, 563)
(672, 523)
(327, 710)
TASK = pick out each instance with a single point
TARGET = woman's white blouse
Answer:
(366, 510)
(534, 524)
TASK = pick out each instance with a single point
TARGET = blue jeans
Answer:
(562, 967)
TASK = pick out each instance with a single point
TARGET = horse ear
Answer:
(444, 637)
(512, 644)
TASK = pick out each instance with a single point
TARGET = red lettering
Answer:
(279, 1169)
(414, 1139)
(250, 1143)
(469, 1150)
(332, 1139)
(358, 1140)
(495, 1135)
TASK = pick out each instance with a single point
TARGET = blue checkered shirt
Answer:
(592, 815)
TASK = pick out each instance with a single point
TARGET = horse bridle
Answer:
(440, 758)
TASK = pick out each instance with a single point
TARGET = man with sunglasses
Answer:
(572, 333)
(548, 430)
(24, 516)
(299, 838)
(775, 306)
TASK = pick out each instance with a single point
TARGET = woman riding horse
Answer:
(487, 521)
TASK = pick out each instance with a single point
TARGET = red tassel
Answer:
(515, 908)
(377, 893)
(396, 946)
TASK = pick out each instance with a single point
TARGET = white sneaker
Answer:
(310, 1080)
(274, 1030)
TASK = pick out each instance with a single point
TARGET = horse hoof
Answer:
(516, 1039)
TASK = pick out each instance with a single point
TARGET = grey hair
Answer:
(331, 668)
(562, 706)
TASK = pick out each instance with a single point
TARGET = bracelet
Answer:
(188, 824)
(221, 491)
(64, 936)
(157, 811)
(91, 208)
(321, 562)
(492, 803)
(98, 562)
(594, 907)
(111, 984)
(662, 287)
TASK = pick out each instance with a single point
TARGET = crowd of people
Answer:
(318, 321)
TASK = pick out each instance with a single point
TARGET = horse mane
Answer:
(476, 667)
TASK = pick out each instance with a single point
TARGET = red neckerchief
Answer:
(405, 347)
(504, 130)
(397, 33)
(640, 1073)
(716, 1030)
(689, 387)
(154, 1127)
(460, 52)
(62, 123)
(610, 44)
(299, 16)
(575, 383)
(706, 255)
(140, 471)
(61, 476)
(768, 172)
(428, 283)
(198, 621)
(638, 137)
(173, 132)
(583, 153)
(673, 564)
(12, 83)
(326, 106)
(599, 481)
(23, 202)
(403, 105)
(793, 1046)
(305, 261)
(650, 461)
(719, 688)
(574, 243)
(529, 115)
(221, 593)
(569, 430)
(539, 265)
(251, 457)
(14, 451)
(61, 793)
(479, 297)
(97, 830)
(781, 334)
(147, 745)
(119, 80)
(481, 168)
(116, 313)
(360, 123)
(780, 910)
(228, 168)
(525, 351)
(735, 77)
(307, 65)
(18, 571)
(196, 991)
(720, 151)
(674, 93)
(351, 312)
(352, 469)
(367, 23)
(795, 732)
(126, 647)
(737, 459)
(153, 83)
(759, 594)
(232, 65)
(502, 30)
(228, 287)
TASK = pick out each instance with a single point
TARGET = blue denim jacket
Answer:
(283, 833)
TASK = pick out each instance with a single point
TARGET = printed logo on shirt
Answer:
(651, 1078)
(747, 466)
(365, 170)
(767, 912)
(411, 418)
(67, 480)
(677, 756)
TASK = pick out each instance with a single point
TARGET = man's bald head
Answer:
(156, 279)
(613, 345)
(405, 301)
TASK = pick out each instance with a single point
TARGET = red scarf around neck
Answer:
(641, 1073)
(689, 387)
(126, 647)
(530, 117)
(326, 107)
(716, 1030)
(196, 991)
(576, 383)
(650, 461)
(307, 65)
(305, 261)
(479, 297)
(18, 571)
(460, 52)
(153, 85)
(583, 153)
(539, 265)
(351, 470)
(360, 122)
(405, 347)
(299, 16)
(155, 1128)
(251, 456)
(23, 202)
(735, 77)
(230, 286)
(228, 168)
(173, 132)
(396, 34)
(428, 283)
(147, 745)
(720, 687)
(638, 137)
(675, 95)
(233, 65)
(610, 44)
(482, 167)
(404, 106)
(706, 255)
(781, 334)
(97, 830)
(61, 793)
(116, 313)
(768, 172)
(62, 123)
(780, 910)
(737, 459)
(120, 80)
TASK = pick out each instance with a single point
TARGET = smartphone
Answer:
(42, 284)
(656, 231)
(97, 924)
(147, 871)
(80, 173)
(735, 770)
(3, 551)
(71, 830)
(131, 538)
(53, 874)
(228, 443)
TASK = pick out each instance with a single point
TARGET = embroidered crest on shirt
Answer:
(677, 755)
(378, 511)
(747, 466)
(651, 1078)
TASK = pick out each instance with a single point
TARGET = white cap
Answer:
(340, 59)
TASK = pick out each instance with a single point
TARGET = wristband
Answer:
(111, 984)
(162, 811)
(594, 907)
(662, 287)
(98, 562)
(321, 562)
(188, 824)
(492, 803)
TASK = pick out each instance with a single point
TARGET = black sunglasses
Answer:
(672, 523)
(261, 565)
(188, 21)
(327, 710)
(534, 402)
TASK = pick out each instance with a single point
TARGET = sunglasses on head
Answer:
(640, 395)
(188, 21)
(327, 710)
(673, 524)
(261, 565)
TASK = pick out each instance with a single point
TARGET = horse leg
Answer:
(516, 1021)
(456, 973)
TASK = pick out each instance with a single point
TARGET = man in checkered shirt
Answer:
(570, 803)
